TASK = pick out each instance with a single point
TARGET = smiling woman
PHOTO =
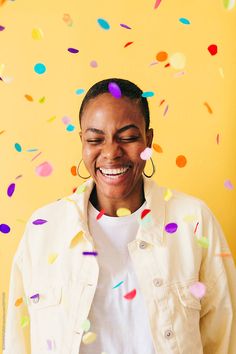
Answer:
(131, 273)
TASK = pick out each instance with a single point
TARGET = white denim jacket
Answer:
(166, 264)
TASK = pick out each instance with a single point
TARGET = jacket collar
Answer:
(150, 230)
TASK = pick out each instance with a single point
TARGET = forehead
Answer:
(106, 111)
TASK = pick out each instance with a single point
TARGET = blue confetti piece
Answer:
(18, 147)
(103, 23)
(185, 21)
(148, 94)
(70, 128)
(79, 91)
(116, 286)
(40, 68)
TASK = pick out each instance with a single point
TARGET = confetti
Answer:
(81, 189)
(157, 148)
(146, 153)
(90, 253)
(125, 26)
(181, 161)
(11, 189)
(145, 212)
(229, 4)
(212, 49)
(208, 107)
(117, 285)
(37, 33)
(223, 254)
(167, 65)
(2, 67)
(66, 120)
(161, 56)
(35, 298)
(103, 24)
(51, 119)
(70, 127)
(73, 170)
(127, 44)
(4, 228)
(40, 68)
(24, 321)
(157, 4)
(93, 64)
(73, 50)
(19, 301)
(79, 91)
(2, 28)
(67, 19)
(162, 101)
(195, 230)
(146, 221)
(114, 89)
(221, 71)
(29, 98)
(39, 222)
(171, 227)
(167, 194)
(52, 257)
(178, 61)
(42, 99)
(189, 218)
(131, 295)
(123, 212)
(198, 290)
(89, 337)
(180, 73)
(203, 242)
(86, 325)
(184, 20)
(76, 239)
(166, 109)
(100, 214)
(44, 169)
(218, 139)
(153, 63)
(36, 156)
(228, 184)
(2, 131)
(18, 147)
(148, 94)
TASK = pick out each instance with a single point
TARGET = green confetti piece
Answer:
(203, 242)
(24, 321)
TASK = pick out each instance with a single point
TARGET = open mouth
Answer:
(114, 172)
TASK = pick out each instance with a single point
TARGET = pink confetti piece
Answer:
(153, 63)
(180, 73)
(157, 4)
(125, 26)
(100, 214)
(198, 290)
(39, 221)
(66, 120)
(228, 184)
(146, 153)
(44, 169)
(171, 227)
(114, 89)
(11, 189)
(131, 295)
(166, 110)
(93, 64)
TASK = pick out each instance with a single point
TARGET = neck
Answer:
(132, 202)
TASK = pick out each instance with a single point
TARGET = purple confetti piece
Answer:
(39, 221)
(2, 28)
(171, 227)
(93, 64)
(90, 253)
(11, 189)
(114, 90)
(4, 228)
(35, 298)
(125, 26)
(49, 343)
(228, 184)
(165, 111)
(73, 50)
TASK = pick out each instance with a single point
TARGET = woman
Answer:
(119, 266)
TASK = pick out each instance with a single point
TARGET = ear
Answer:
(80, 134)
(149, 137)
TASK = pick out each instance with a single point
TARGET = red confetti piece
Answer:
(212, 49)
(130, 295)
(100, 214)
(161, 102)
(127, 44)
(74, 189)
(196, 227)
(208, 107)
(157, 4)
(167, 65)
(144, 213)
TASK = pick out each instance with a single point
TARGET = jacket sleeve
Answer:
(218, 314)
(16, 339)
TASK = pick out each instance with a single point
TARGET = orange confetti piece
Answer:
(161, 102)
(208, 107)
(29, 98)
(161, 56)
(19, 301)
(2, 132)
(181, 161)
(73, 170)
(223, 254)
(130, 295)
(157, 148)
(127, 44)
(218, 139)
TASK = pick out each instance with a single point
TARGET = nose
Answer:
(111, 150)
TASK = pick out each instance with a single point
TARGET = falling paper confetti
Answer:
(145, 212)
(11, 189)
(198, 290)
(123, 212)
(190, 218)
(157, 148)
(117, 285)
(146, 153)
(195, 230)
(79, 91)
(52, 257)
(166, 109)
(4, 228)
(148, 94)
(67, 19)
(81, 189)
(229, 4)
(73, 170)
(35, 298)
(89, 337)
(24, 321)
(76, 239)
(157, 4)
(184, 20)
(103, 24)
(100, 214)
(171, 227)
(2, 28)
(29, 98)
(44, 169)
(181, 161)
(73, 50)
(167, 194)
(42, 99)
(224, 254)
(228, 184)
(70, 128)
(19, 301)
(93, 64)
(40, 68)
(114, 89)
(39, 222)
(90, 253)
(127, 44)
(178, 61)
(18, 147)
(161, 56)
(125, 26)
(66, 120)
(208, 107)
(203, 242)
(131, 295)
(212, 49)
(37, 33)
(86, 325)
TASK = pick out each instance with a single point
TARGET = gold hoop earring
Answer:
(153, 169)
(79, 173)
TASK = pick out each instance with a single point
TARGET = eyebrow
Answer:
(126, 127)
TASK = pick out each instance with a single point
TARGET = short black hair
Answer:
(128, 89)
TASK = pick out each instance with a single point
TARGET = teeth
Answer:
(113, 171)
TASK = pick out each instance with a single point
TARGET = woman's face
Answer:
(113, 136)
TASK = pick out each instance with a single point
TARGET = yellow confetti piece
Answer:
(37, 33)
(19, 301)
(2, 67)
(52, 257)
(190, 218)
(81, 189)
(86, 325)
(208, 107)
(76, 239)
(24, 321)
(203, 242)
(178, 60)
(123, 212)
(42, 99)
(70, 200)
(167, 194)
(51, 119)
(89, 337)
(221, 73)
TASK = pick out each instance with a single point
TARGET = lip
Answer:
(114, 181)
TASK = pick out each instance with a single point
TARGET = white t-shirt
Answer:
(121, 325)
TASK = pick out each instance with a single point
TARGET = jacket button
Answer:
(157, 282)
(169, 334)
(142, 244)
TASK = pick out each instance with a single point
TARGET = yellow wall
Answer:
(187, 128)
